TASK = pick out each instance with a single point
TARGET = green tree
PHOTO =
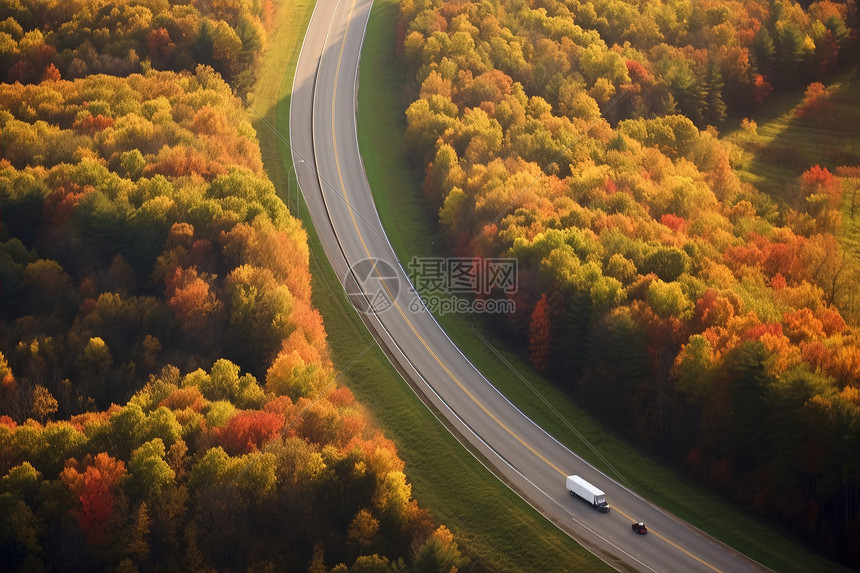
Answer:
(426, 121)
(666, 263)
(19, 534)
(22, 481)
(715, 107)
(150, 474)
(669, 300)
(764, 51)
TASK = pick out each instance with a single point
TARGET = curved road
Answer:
(331, 175)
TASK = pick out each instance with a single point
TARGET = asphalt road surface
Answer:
(332, 179)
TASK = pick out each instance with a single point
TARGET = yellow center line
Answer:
(385, 285)
(669, 541)
(412, 326)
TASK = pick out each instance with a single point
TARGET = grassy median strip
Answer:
(491, 524)
(410, 223)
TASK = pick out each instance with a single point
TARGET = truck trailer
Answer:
(579, 487)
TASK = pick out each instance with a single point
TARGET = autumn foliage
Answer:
(95, 487)
(167, 401)
(673, 299)
(249, 431)
(101, 37)
(816, 102)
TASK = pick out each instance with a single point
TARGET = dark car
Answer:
(640, 528)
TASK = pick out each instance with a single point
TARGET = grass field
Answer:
(784, 145)
(411, 226)
(851, 216)
(492, 526)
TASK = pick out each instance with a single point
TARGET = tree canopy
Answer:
(167, 400)
(674, 299)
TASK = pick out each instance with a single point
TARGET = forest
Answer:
(167, 400)
(712, 323)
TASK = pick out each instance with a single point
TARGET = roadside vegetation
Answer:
(572, 228)
(817, 125)
(167, 399)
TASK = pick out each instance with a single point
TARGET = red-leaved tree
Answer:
(249, 430)
(540, 336)
(94, 481)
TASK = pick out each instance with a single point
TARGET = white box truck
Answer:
(578, 486)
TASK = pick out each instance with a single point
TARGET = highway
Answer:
(331, 176)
